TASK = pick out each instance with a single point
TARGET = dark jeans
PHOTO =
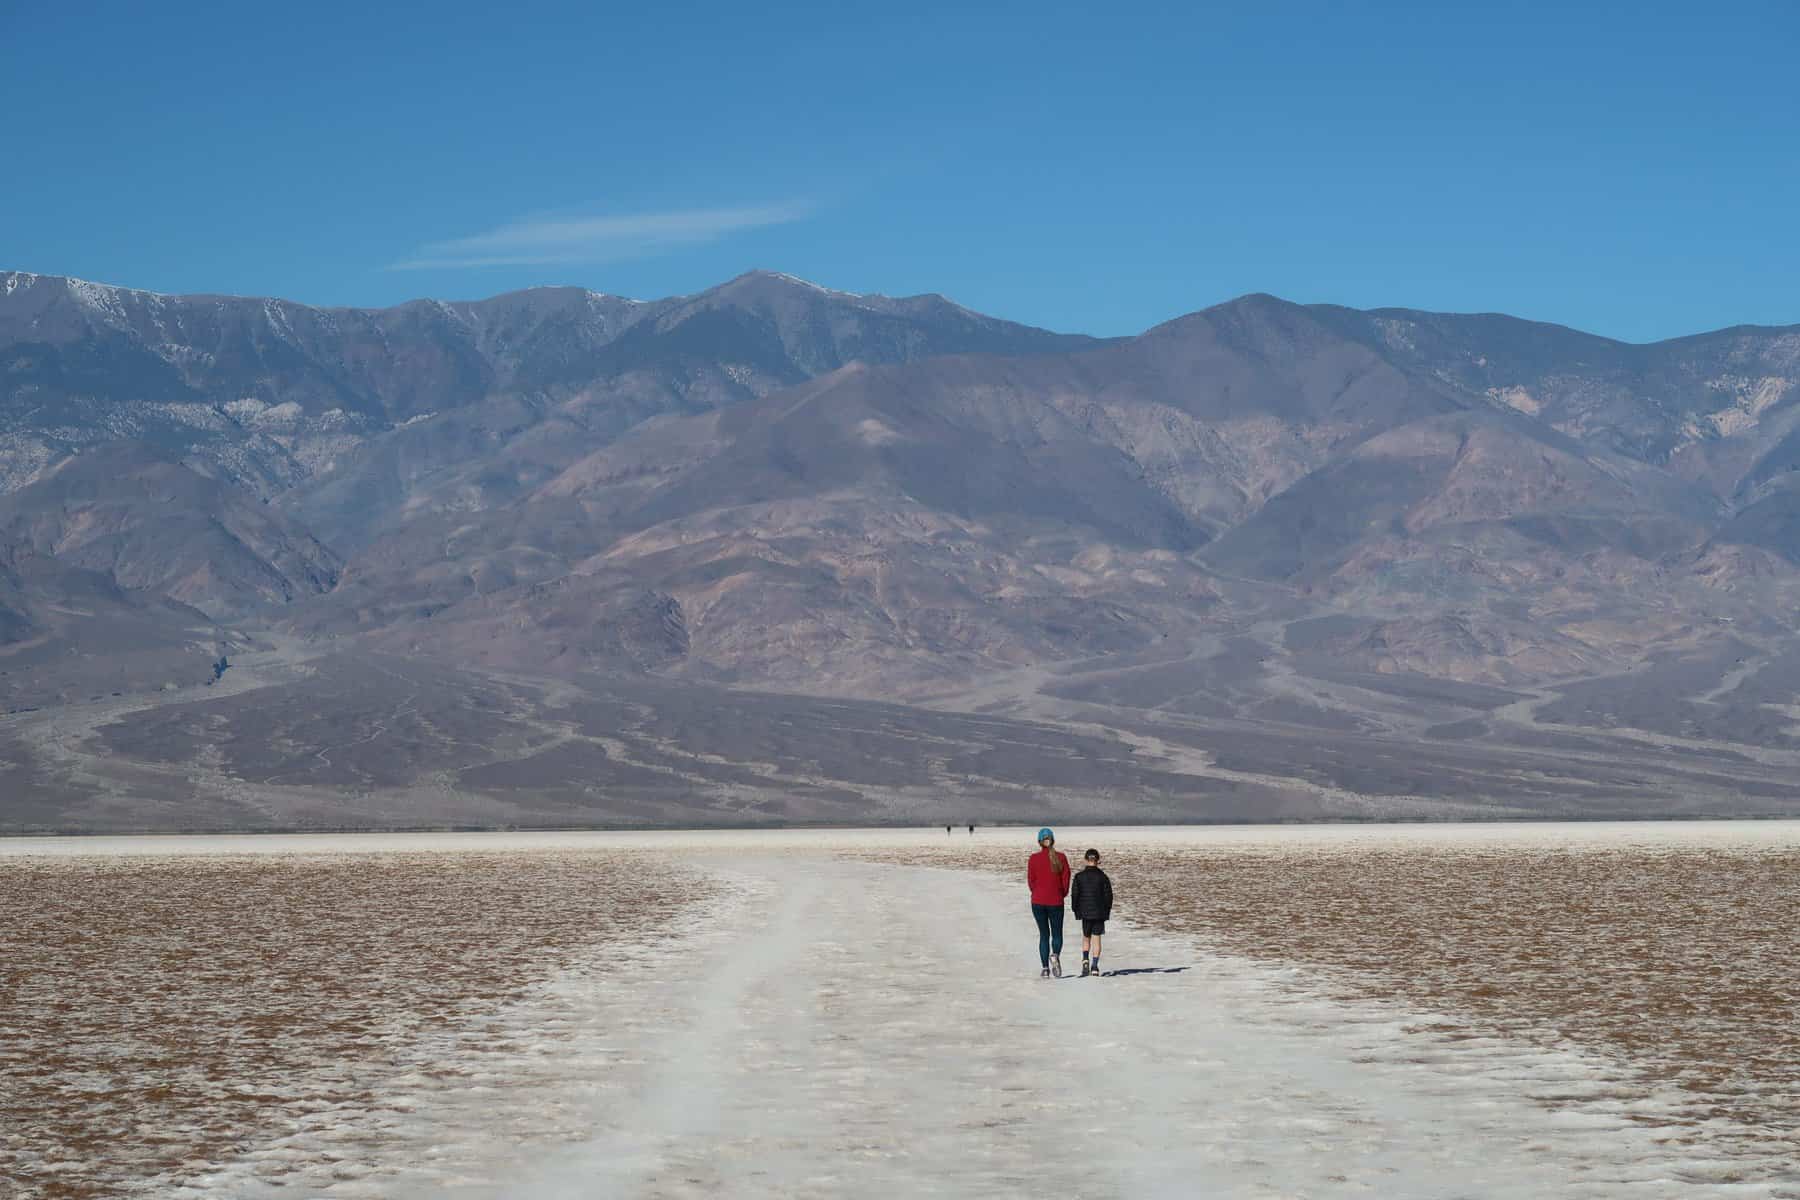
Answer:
(1049, 921)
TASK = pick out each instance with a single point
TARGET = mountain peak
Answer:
(1257, 300)
(765, 282)
(795, 280)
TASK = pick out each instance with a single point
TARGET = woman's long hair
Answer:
(1056, 862)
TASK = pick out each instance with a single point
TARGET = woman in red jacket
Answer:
(1047, 874)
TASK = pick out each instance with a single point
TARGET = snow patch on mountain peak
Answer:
(97, 298)
(809, 284)
(275, 313)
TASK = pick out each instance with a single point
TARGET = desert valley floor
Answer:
(1584, 1010)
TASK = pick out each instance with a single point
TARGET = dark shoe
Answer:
(1044, 974)
(1085, 972)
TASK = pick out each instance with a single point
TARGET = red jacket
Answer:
(1048, 886)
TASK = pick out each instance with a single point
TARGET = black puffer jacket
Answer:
(1090, 895)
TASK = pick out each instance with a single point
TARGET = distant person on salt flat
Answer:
(1047, 875)
(1091, 900)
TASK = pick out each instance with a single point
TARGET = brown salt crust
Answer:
(158, 1014)
(1682, 963)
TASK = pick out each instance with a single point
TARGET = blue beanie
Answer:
(1046, 832)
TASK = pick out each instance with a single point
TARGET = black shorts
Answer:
(1092, 928)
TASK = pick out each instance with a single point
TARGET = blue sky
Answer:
(1628, 169)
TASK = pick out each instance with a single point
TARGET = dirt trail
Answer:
(854, 1028)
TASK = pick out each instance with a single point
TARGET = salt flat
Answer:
(858, 1011)
(1521, 834)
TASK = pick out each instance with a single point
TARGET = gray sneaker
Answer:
(1056, 965)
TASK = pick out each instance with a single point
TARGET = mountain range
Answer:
(1271, 560)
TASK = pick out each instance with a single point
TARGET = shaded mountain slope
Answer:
(68, 635)
(1466, 469)
(154, 525)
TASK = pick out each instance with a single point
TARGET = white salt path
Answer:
(845, 1028)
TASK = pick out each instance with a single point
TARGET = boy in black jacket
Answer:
(1090, 898)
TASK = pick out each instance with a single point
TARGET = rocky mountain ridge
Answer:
(1387, 524)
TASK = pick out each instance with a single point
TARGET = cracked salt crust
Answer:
(1300, 1011)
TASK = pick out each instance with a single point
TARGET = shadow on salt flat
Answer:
(1146, 971)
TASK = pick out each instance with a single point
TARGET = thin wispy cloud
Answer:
(559, 240)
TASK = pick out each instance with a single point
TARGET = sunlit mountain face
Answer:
(1406, 559)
